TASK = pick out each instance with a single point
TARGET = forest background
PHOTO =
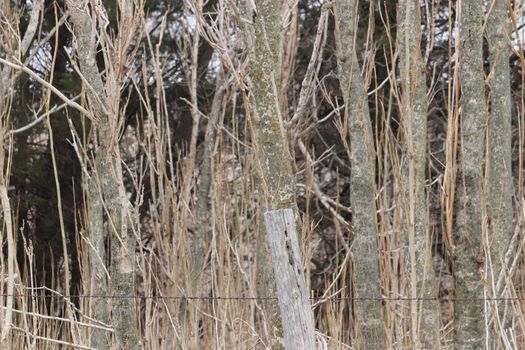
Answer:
(143, 141)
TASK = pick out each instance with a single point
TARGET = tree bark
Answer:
(370, 331)
(499, 175)
(5, 340)
(499, 152)
(275, 180)
(418, 243)
(6, 316)
(109, 190)
(97, 259)
(469, 315)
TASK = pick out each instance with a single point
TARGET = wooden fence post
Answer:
(294, 303)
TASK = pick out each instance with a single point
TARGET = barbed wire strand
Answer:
(182, 297)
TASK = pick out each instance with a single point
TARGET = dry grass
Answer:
(167, 228)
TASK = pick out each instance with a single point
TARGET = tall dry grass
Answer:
(163, 185)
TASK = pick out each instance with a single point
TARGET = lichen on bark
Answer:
(425, 315)
(469, 316)
(369, 330)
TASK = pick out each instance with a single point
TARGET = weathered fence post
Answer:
(294, 303)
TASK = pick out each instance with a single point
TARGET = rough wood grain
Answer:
(294, 304)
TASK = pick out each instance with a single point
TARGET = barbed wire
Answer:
(182, 297)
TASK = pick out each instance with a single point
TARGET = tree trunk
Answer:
(469, 315)
(367, 280)
(499, 164)
(99, 278)
(6, 315)
(5, 336)
(109, 189)
(276, 181)
(499, 137)
(418, 243)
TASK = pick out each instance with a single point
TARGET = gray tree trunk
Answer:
(205, 180)
(499, 175)
(7, 220)
(499, 160)
(294, 303)
(99, 280)
(109, 188)
(469, 315)
(276, 180)
(370, 331)
(425, 325)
